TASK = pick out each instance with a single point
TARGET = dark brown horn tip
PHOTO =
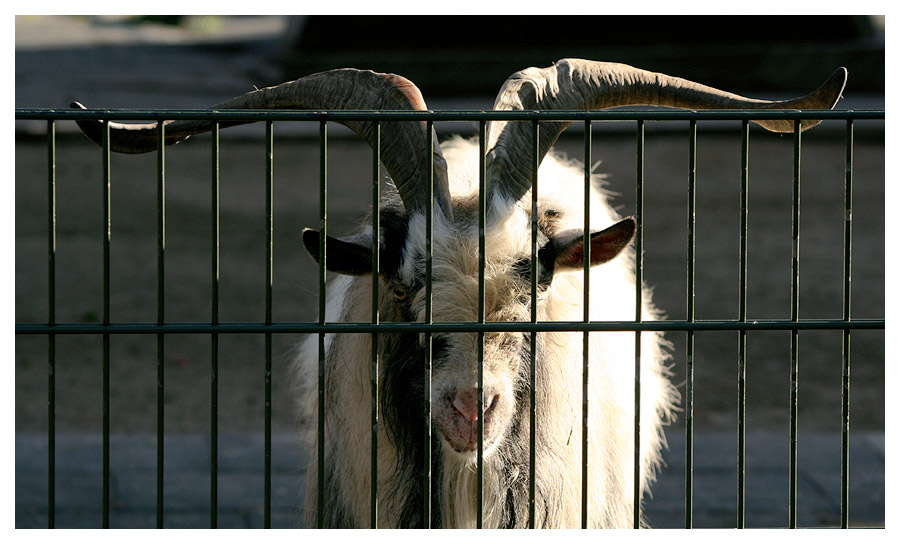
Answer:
(833, 87)
(93, 129)
(826, 96)
(310, 239)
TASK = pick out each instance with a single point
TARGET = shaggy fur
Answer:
(507, 365)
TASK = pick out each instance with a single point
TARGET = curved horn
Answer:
(403, 143)
(575, 84)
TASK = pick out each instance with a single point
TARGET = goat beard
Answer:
(454, 482)
(453, 475)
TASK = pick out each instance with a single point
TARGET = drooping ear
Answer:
(343, 257)
(605, 246)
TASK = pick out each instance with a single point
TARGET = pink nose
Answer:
(462, 428)
(466, 403)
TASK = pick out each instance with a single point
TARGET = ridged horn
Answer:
(403, 143)
(576, 84)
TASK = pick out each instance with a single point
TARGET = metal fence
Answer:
(107, 327)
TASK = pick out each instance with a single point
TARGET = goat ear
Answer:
(343, 257)
(605, 246)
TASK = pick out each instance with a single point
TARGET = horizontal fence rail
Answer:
(416, 327)
(106, 327)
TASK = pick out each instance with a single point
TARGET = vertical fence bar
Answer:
(845, 373)
(742, 334)
(51, 320)
(323, 214)
(689, 371)
(107, 231)
(376, 253)
(532, 408)
(270, 257)
(160, 318)
(214, 337)
(638, 282)
(795, 315)
(429, 319)
(585, 336)
(482, 211)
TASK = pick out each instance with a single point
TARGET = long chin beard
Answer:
(460, 475)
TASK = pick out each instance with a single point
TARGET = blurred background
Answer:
(459, 62)
(447, 56)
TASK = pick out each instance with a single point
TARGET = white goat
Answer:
(507, 358)
(506, 371)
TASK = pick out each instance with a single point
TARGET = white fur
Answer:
(559, 373)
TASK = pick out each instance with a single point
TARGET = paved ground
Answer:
(241, 481)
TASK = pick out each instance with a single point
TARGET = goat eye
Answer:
(400, 293)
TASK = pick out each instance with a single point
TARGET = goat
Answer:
(509, 357)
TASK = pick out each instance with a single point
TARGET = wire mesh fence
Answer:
(108, 327)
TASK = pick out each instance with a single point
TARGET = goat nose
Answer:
(466, 403)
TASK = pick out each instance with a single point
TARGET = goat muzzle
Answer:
(458, 420)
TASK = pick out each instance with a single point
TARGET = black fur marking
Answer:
(516, 469)
(439, 347)
(394, 229)
(402, 406)
(402, 389)
(545, 267)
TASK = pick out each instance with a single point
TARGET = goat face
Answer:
(506, 357)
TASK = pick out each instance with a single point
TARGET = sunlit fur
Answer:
(559, 374)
